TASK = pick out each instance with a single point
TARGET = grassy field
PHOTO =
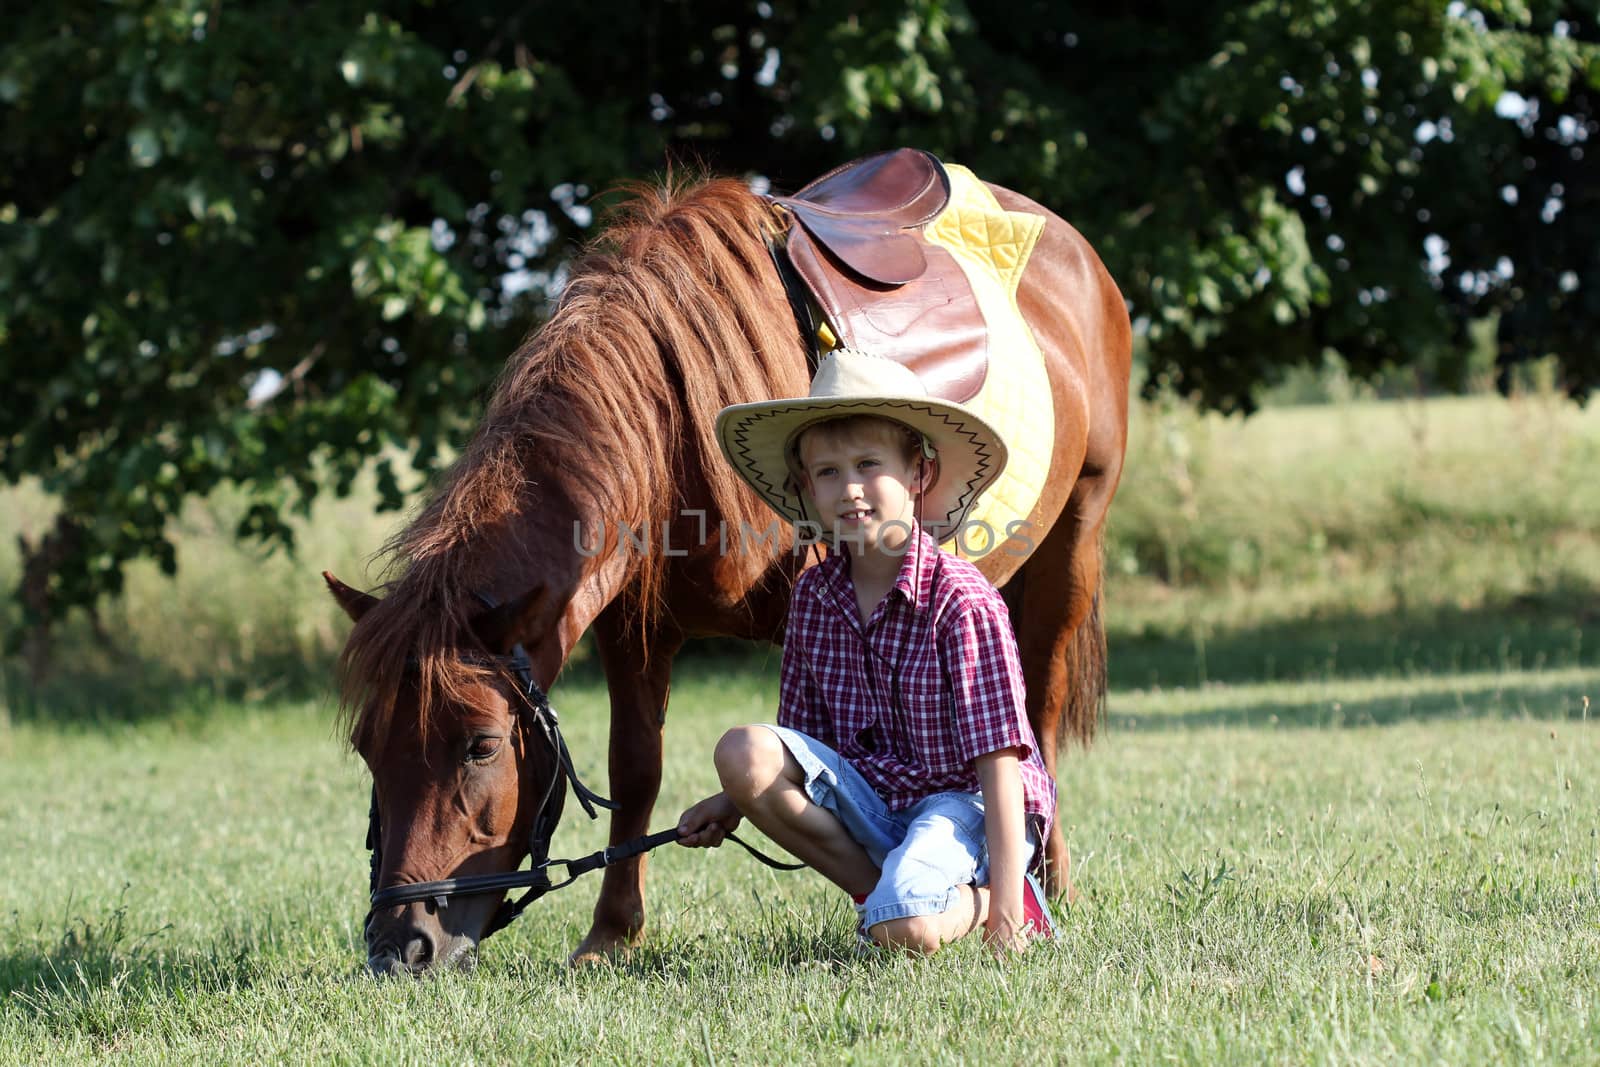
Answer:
(1346, 807)
(1347, 870)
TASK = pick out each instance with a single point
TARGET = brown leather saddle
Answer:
(855, 241)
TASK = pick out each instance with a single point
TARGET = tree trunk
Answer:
(39, 561)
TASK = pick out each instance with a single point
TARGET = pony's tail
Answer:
(1086, 670)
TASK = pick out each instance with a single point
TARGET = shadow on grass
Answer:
(85, 690)
(1527, 633)
(1524, 697)
(87, 978)
(778, 939)
(1560, 629)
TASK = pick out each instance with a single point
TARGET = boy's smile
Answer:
(862, 483)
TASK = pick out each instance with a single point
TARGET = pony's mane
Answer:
(673, 313)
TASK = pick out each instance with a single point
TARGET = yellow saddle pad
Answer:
(992, 246)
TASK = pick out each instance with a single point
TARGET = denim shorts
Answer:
(926, 852)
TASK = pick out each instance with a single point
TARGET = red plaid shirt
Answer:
(961, 693)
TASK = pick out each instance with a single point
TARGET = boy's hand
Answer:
(1004, 827)
(705, 824)
(1003, 931)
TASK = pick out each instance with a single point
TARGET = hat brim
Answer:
(756, 439)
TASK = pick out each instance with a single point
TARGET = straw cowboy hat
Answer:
(760, 439)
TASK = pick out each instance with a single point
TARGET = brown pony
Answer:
(604, 417)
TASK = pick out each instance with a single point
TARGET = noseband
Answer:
(535, 706)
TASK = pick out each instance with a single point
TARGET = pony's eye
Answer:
(483, 747)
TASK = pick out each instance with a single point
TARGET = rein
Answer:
(536, 879)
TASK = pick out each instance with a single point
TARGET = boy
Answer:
(903, 767)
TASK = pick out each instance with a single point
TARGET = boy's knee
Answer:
(914, 933)
(748, 759)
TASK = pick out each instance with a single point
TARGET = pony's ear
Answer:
(354, 602)
(496, 627)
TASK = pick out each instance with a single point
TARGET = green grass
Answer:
(1346, 806)
(1363, 870)
(1464, 503)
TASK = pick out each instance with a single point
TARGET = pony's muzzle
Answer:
(411, 940)
(407, 951)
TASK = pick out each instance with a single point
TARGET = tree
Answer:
(270, 244)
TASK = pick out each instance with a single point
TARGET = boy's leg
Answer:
(926, 934)
(934, 887)
(928, 895)
(768, 785)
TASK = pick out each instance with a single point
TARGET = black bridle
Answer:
(535, 706)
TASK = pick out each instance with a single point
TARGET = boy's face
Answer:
(863, 482)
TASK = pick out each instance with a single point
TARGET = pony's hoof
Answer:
(602, 948)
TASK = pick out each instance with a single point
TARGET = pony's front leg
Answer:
(638, 667)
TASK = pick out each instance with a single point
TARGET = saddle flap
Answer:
(858, 212)
(887, 257)
(903, 188)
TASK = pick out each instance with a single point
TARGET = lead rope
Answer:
(537, 878)
(543, 832)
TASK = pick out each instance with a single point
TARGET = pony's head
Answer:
(458, 777)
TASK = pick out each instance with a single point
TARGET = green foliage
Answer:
(266, 243)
